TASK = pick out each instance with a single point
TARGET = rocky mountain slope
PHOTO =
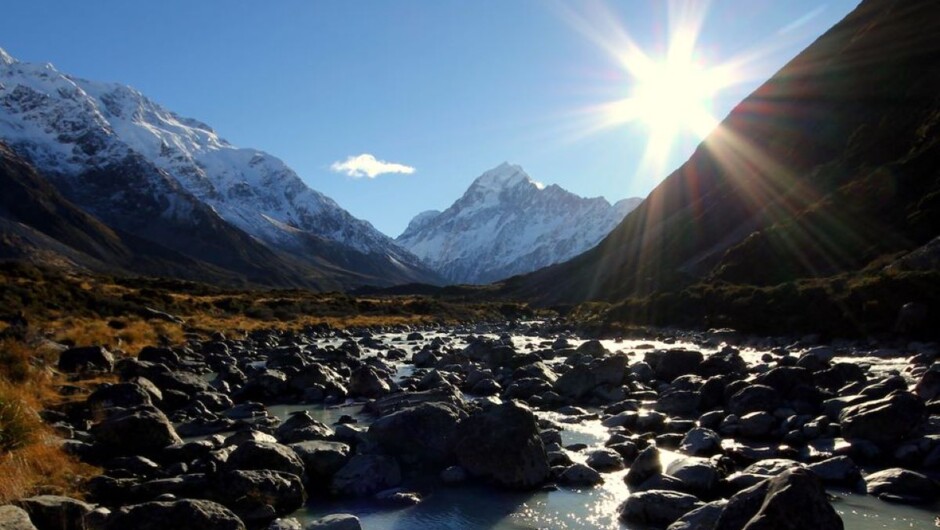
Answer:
(171, 180)
(507, 224)
(829, 167)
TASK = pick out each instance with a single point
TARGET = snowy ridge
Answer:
(66, 125)
(507, 224)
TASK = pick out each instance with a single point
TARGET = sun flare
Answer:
(671, 94)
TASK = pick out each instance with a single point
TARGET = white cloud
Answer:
(366, 165)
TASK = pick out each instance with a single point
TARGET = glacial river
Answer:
(473, 507)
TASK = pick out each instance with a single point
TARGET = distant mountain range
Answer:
(507, 224)
(829, 167)
(125, 185)
(216, 212)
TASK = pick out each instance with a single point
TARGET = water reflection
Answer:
(473, 507)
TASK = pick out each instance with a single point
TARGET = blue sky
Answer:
(449, 88)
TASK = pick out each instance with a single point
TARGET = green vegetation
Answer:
(842, 305)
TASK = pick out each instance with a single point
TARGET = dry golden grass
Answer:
(128, 334)
(41, 468)
(209, 322)
(32, 460)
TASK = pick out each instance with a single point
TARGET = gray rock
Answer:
(670, 364)
(576, 383)
(205, 515)
(756, 425)
(903, 486)
(792, 500)
(365, 475)
(265, 455)
(838, 471)
(884, 421)
(302, 427)
(86, 359)
(453, 475)
(138, 431)
(703, 518)
(52, 512)
(14, 518)
(422, 434)
(580, 475)
(605, 460)
(502, 444)
(340, 521)
(121, 395)
(257, 496)
(646, 465)
(754, 398)
(657, 508)
(321, 459)
(286, 524)
(700, 476)
(368, 382)
(684, 403)
(700, 442)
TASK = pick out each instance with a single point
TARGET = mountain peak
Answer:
(6, 58)
(506, 225)
(503, 176)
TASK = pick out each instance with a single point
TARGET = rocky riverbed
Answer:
(518, 425)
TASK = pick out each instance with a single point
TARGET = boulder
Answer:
(699, 475)
(205, 515)
(159, 355)
(754, 398)
(700, 441)
(502, 444)
(792, 500)
(321, 459)
(365, 475)
(903, 486)
(683, 403)
(605, 460)
(703, 518)
(121, 395)
(421, 434)
(576, 383)
(302, 427)
(657, 508)
(646, 465)
(368, 382)
(838, 471)
(14, 518)
(257, 496)
(137, 431)
(454, 475)
(756, 425)
(670, 364)
(884, 421)
(52, 512)
(928, 387)
(265, 455)
(289, 523)
(338, 521)
(580, 475)
(86, 359)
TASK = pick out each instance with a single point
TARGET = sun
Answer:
(674, 96)
(671, 97)
(670, 94)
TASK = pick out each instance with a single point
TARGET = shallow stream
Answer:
(474, 507)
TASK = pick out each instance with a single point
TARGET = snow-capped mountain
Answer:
(507, 224)
(135, 164)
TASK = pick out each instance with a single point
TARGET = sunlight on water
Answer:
(475, 507)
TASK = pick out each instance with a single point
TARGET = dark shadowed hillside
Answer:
(832, 166)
